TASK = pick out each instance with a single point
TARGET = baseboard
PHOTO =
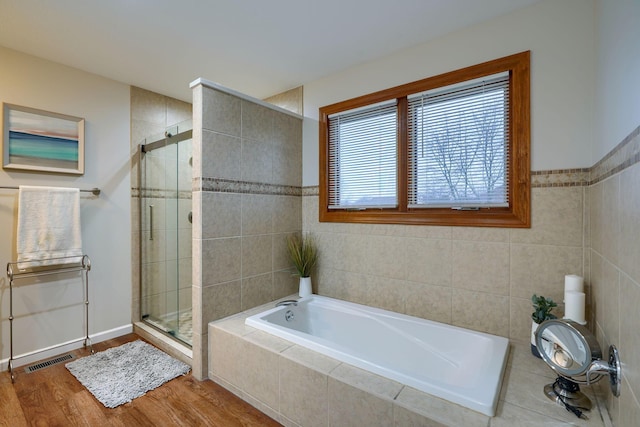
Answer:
(49, 352)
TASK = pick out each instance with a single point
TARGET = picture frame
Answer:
(41, 141)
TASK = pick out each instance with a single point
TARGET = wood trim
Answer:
(518, 215)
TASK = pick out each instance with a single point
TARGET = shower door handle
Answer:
(150, 222)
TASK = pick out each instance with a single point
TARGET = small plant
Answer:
(542, 308)
(303, 253)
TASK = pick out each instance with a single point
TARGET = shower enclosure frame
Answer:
(168, 139)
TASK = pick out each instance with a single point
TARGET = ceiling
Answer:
(258, 47)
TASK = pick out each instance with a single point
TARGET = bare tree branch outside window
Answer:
(462, 150)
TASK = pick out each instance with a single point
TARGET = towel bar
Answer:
(94, 191)
(15, 273)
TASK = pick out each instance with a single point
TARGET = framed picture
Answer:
(36, 140)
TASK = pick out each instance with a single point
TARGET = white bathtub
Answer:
(456, 364)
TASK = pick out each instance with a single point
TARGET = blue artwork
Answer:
(42, 142)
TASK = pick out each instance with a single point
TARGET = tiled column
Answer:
(247, 199)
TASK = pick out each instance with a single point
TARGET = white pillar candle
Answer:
(572, 282)
(574, 306)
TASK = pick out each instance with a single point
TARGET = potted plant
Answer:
(541, 311)
(303, 253)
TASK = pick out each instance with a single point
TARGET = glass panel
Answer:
(165, 203)
(363, 155)
(459, 145)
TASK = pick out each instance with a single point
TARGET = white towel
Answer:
(48, 226)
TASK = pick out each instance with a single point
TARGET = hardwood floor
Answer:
(53, 397)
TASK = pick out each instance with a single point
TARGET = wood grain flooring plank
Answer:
(84, 410)
(207, 392)
(10, 409)
(195, 408)
(39, 409)
(54, 397)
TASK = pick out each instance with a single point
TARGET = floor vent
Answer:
(41, 365)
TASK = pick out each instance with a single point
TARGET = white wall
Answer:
(106, 231)
(618, 73)
(560, 35)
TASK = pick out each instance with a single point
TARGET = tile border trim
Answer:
(560, 178)
(159, 193)
(623, 156)
(244, 187)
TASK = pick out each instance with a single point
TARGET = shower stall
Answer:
(165, 232)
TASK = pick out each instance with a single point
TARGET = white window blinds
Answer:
(363, 157)
(458, 145)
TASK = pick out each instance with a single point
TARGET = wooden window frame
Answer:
(517, 215)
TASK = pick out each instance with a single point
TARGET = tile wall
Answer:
(247, 200)
(290, 100)
(477, 278)
(614, 249)
(584, 221)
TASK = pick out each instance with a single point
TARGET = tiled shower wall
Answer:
(246, 200)
(151, 115)
(290, 100)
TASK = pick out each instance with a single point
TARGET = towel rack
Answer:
(94, 191)
(62, 265)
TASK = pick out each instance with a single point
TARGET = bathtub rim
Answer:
(300, 338)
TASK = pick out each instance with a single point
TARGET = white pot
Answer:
(534, 349)
(305, 287)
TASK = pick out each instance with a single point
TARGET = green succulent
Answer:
(542, 308)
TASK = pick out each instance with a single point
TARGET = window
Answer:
(363, 156)
(459, 145)
(447, 150)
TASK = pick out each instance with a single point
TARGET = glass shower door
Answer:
(165, 234)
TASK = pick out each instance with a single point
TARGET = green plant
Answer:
(303, 253)
(542, 308)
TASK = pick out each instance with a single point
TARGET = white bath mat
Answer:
(120, 374)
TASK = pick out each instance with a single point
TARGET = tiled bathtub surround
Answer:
(584, 221)
(299, 387)
(614, 249)
(246, 200)
(481, 278)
